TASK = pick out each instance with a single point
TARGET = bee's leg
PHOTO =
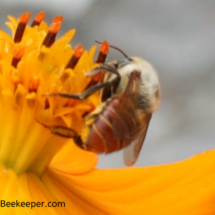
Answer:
(109, 90)
(98, 74)
(92, 89)
(68, 133)
(86, 92)
(83, 95)
(65, 132)
(103, 68)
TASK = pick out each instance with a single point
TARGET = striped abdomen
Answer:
(113, 128)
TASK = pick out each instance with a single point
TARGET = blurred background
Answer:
(177, 37)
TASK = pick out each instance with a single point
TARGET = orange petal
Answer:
(73, 160)
(186, 187)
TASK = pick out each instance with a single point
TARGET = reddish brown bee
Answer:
(130, 93)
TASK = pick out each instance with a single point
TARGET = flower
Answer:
(42, 173)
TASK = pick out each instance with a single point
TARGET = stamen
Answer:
(18, 52)
(23, 19)
(79, 50)
(38, 19)
(104, 49)
(53, 30)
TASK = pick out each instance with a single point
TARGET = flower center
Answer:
(32, 64)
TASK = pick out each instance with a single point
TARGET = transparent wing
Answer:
(133, 145)
(132, 150)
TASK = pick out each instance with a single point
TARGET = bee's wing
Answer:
(134, 144)
(131, 152)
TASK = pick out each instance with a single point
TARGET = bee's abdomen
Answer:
(112, 128)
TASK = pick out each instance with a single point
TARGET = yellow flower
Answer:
(41, 173)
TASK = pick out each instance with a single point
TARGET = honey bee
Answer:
(130, 93)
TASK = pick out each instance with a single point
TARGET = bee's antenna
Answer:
(116, 48)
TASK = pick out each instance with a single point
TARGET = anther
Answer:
(104, 49)
(79, 50)
(18, 52)
(23, 19)
(38, 19)
(57, 19)
(53, 30)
